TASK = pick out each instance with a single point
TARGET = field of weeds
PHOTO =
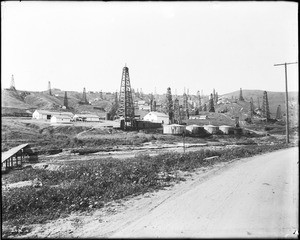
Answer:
(88, 185)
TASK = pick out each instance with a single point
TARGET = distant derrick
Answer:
(177, 118)
(66, 100)
(251, 111)
(265, 106)
(49, 88)
(241, 95)
(12, 83)
(126, 107)
(170, 105)
(84, 99)
(185, 106)
(211, 107)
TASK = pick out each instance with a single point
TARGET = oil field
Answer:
(168, 162)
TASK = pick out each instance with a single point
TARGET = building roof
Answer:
(87, 115)
(47, 112)
(11, 152)
(61, 116)
(158, 114)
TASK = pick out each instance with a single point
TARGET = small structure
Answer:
(195, 130)
(60, 119)
(46, 115)
(157, 117)
(211, 129)
(86, 117)
(226, 129)
(202, 117)
(174, 129)
(16, 156)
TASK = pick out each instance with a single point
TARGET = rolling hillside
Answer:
(28, 101)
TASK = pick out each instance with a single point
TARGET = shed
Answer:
(174, 129)
(46, 114)
(195, 130)
(226, 129)
(157, 117)
(60, 119)
(211, 129)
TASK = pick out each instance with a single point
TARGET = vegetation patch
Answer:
(87, 185)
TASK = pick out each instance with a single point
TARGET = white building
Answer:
(157, 117)
(60, 119)
(46, 115)
(87, 117)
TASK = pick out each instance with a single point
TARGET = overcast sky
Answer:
(196, 45)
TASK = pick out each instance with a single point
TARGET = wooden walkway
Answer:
(14, 157)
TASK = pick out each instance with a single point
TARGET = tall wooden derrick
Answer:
(66, 100)
(265, 106)
(241, 95)
(211, 107)
(49, 88)
(84, 99)
(126, 107)
(251, 110)
(12, 83)
(177, 117)
(185, 106)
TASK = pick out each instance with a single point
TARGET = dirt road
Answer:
(257, 197)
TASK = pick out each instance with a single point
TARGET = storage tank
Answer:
(226, 129)
(174, 129)
(195, 130)
(211, 129)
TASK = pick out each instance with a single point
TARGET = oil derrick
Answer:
(241, 95)
(176, 111)
(211, 107)
(251, 111)
(199, 101)
(65, 100)
(126, 107)
(12, 83)
(84, 99)
(185, 106)
(49, 88)
(265, 106)
(278, 113)
(151, 102)
(170, 105)
(101, 95)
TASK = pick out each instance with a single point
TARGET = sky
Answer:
(199, 46)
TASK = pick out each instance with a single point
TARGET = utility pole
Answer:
(286, 98)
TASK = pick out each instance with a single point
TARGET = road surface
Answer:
(257, 197)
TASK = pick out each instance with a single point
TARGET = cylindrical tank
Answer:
(174, 129)
(195, 130)
(226, 129)
(211, 129)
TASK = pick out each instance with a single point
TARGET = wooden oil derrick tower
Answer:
(84, 99)
(12, 83)
(126, 107)
(49, 88)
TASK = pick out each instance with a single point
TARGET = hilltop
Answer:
(16, 101)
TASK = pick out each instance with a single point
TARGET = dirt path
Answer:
(249, 197)
(257, 198)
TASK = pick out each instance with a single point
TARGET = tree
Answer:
(204, 107)
(216, 98)
(211, 107)
(66, 100)
(170, 105)
(265, 107)
(241, 95)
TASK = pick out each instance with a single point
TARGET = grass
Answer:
(86, 185)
